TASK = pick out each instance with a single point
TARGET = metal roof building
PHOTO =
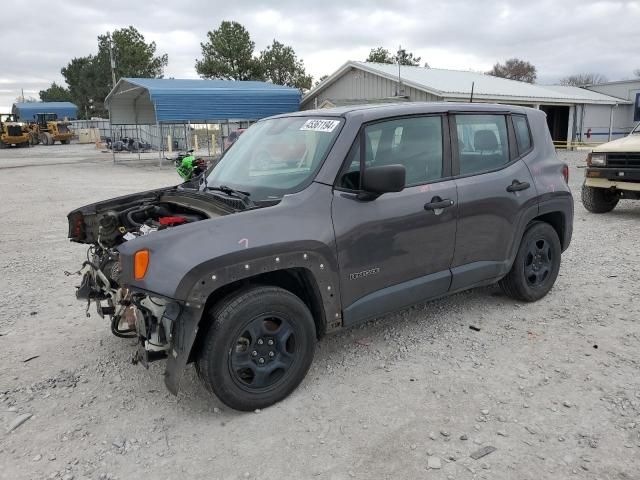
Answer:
(434, 84)
(566, 107)
(155, 101)
(27, 111)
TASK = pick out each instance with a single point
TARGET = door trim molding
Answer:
(397, 297)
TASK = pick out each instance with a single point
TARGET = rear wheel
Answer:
(65, 142)
(599, 200)
(536, 266)
(258, 349)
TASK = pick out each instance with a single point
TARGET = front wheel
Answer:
(259, 347)
(536, 266)
(598, 200)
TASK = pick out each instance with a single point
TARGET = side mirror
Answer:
(383, 179)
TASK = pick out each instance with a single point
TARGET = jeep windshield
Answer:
(276, 157)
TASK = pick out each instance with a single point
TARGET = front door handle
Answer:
(517, 186)
(437, 204)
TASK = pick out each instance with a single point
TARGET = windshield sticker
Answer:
(317, 125)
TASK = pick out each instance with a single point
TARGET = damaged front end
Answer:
(105, 226)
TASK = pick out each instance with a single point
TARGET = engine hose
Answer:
(121, 333)
(131, 213)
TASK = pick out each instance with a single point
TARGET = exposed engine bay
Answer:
(105, 226)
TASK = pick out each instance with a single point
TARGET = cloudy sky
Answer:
(559, 37)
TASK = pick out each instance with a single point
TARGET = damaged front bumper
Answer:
(185, 329)
(164, 328)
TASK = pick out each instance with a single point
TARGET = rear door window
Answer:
(483, 142)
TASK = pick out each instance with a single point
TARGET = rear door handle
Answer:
(437, 203)
(517, 186)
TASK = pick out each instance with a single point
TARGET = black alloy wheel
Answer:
(257, 347)
(538, 261)
(536, 266)
(263, 353)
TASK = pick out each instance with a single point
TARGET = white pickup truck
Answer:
(613, 173)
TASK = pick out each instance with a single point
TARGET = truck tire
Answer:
(258, 348)
(49, 137)
(65, 142)
(598, 200)
(537, 263)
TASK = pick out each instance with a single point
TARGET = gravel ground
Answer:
(553, 386)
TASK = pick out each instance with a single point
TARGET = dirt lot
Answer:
(554, 386)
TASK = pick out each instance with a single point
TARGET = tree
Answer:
(515, 69)
(583, 79)
(404, 58)
(80, 76)
(89, 78)
(55, 93)
(23, 99)
(380, 55)
(280, 65)
(228, 54)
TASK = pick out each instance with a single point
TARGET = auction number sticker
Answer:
(319, 125)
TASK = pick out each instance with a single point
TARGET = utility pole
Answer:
(112, 61)
(398, 60)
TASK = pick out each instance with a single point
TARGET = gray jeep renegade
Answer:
(319, 220)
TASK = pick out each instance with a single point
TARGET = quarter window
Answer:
(483, 143)
(523, 135)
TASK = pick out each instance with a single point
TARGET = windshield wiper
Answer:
(244, 196)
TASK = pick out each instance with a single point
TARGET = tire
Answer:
(238, 362)
(598, 200)
(49, 137)
(537, 263)
(65, 142)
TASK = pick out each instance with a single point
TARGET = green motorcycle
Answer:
(188, 166)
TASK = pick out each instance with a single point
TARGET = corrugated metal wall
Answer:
(224, 104)
(358, 85)
(626, 90)
(596, 118)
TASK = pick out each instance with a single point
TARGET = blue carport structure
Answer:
(152, 101)
(27, 111)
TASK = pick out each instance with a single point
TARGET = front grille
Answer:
(623, 160)
(14, 130)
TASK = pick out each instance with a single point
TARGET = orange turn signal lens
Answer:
(140, 264)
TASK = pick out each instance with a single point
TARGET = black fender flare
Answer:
(204, 280)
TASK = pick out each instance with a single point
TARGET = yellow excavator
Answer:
(47, 129)
(12, 132)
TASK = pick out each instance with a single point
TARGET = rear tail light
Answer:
(565, 173)
(140, 264)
